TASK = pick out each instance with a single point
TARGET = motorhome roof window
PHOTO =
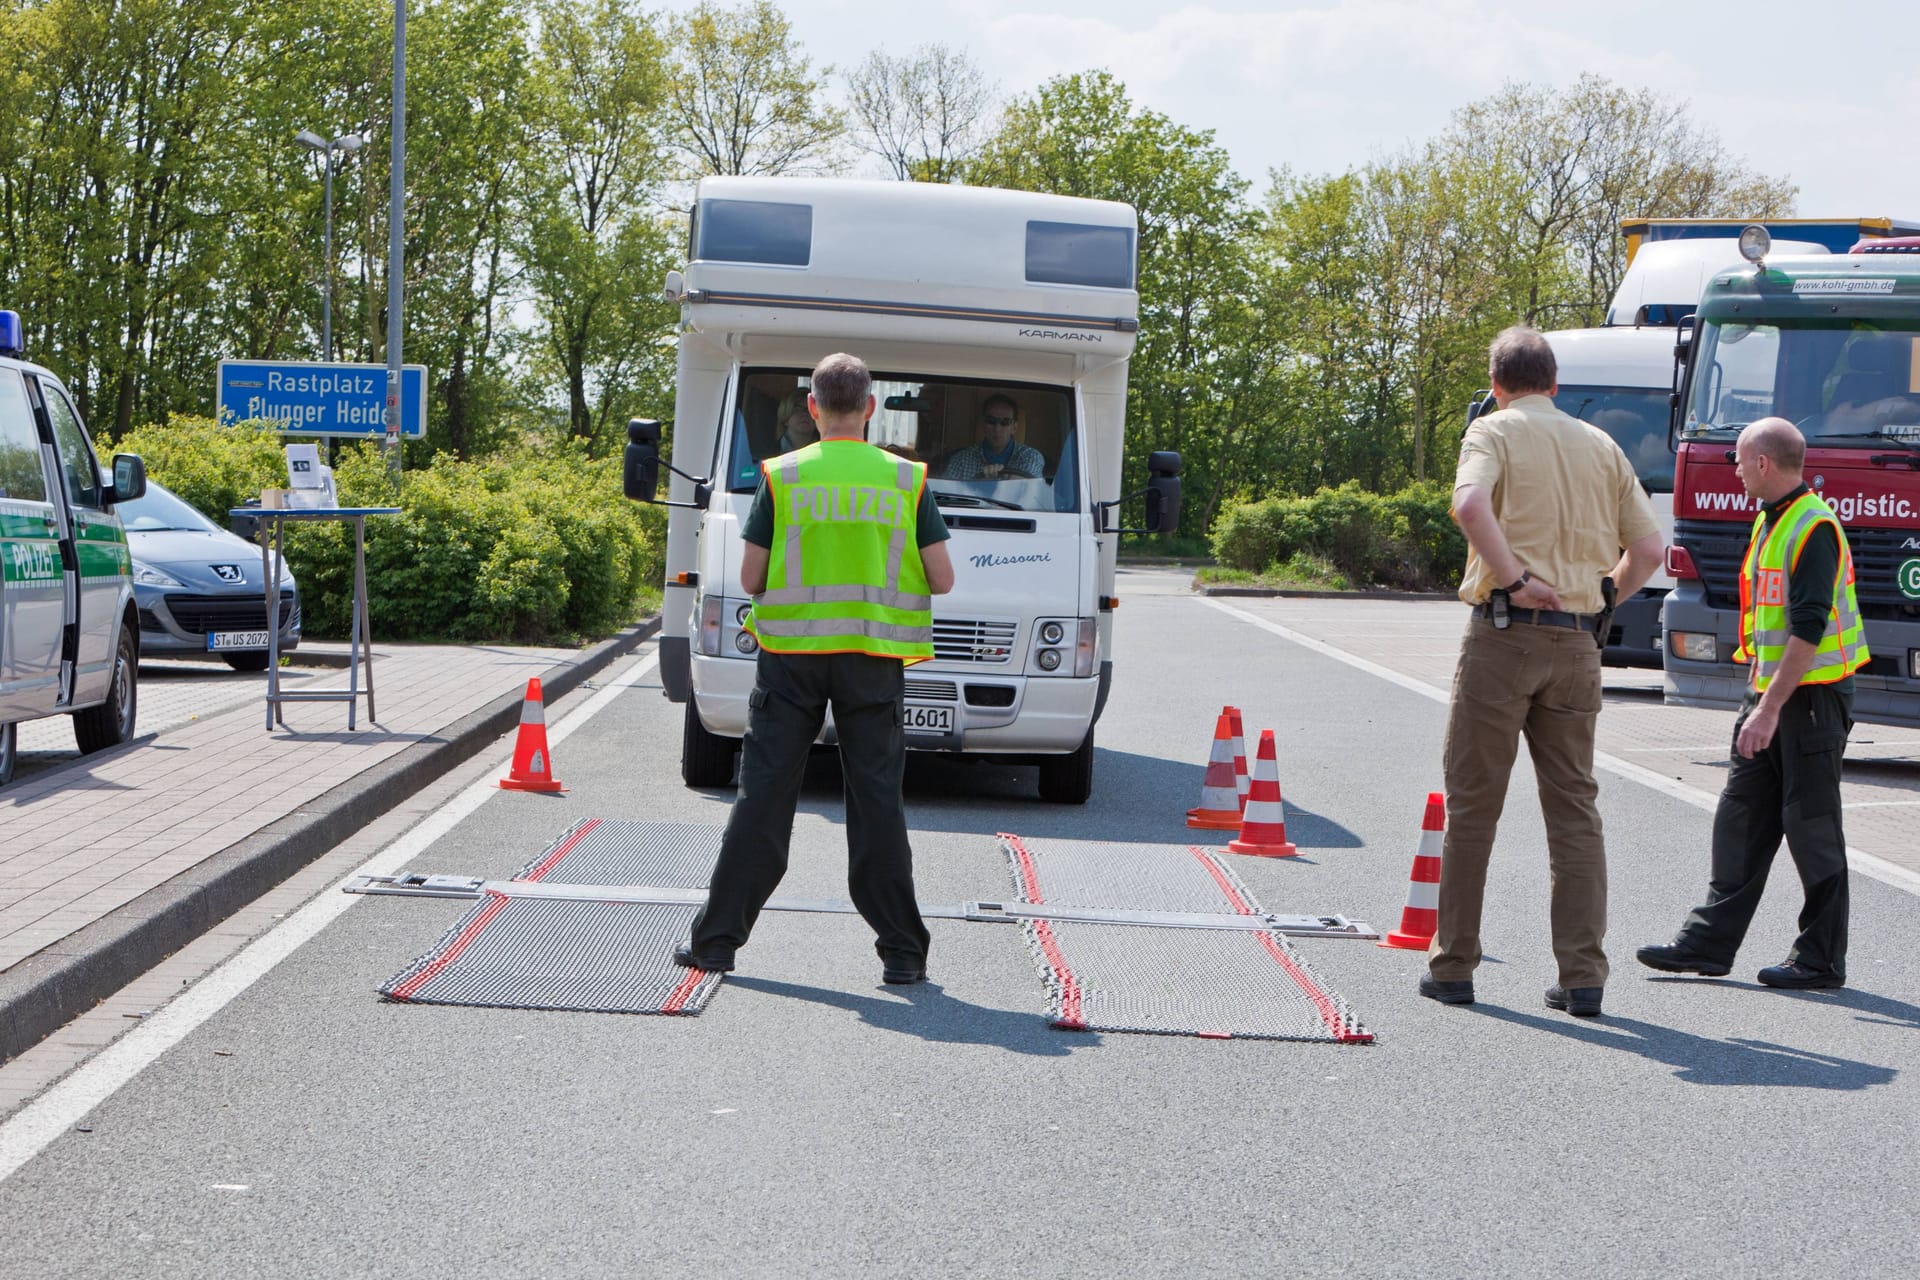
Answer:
(761, 231)
(1076, 253)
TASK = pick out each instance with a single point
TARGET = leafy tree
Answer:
(745, 99)
(923, 113)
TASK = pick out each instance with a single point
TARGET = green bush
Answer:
(1405, 540)
(535, 545)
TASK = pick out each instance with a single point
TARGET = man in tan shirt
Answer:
(1547, 504)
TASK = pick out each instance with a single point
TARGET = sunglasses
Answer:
(1000, 422)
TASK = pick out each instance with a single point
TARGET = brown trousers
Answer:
(1543, 682)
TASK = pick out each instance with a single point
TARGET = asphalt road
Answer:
(813, 1122)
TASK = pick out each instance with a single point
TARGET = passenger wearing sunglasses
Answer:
(998, 455)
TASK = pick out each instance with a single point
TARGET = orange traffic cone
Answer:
(1219, 808)
(532, 762)
(1263, 831)
(1422, 915)
(1241, 782)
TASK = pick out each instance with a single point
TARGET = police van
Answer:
(69, 633)
(998, 326)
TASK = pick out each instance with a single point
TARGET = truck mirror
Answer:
(129, 477)
(1163, 492)
(640, 471)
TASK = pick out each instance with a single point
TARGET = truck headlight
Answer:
(744, 642)
(1913, 664)
(1696, 646)
(1049, 659)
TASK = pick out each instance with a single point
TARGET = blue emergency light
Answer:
(13, 337)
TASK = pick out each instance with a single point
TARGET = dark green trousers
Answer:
(1790, 790)
(790, 698)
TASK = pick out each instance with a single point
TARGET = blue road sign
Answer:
(310, 398)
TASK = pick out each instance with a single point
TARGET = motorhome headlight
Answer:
(741, 614)
(1754, 243)
(1052, 633)
(1049, 659)
(1085, 646)
(745, 642)
(710, 626)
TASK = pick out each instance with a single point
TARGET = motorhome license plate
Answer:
(236, 640)
(929, 719)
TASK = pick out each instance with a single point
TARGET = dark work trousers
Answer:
(1791, 789)
(790, 698)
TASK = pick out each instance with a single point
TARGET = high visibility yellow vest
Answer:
(1765, 625)
(844, 574)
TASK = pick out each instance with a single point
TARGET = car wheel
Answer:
(706, 759)
(111, 723)
(246, 661)
(1068, 779)
(9, 751)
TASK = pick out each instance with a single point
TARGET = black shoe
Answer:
(904, 975)
(1796, 976)
(684, 957)
(1446, 992)
(1581, 1002)
(1678, 957)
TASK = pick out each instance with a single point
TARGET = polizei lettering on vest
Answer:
(859, 504)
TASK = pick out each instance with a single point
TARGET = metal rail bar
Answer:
(443, 886)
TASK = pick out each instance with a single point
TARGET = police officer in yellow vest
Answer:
(1801, 636)
(844, 551)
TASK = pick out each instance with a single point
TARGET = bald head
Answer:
(1769, 457)
(1779, 440)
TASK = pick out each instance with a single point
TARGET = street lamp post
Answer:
(314, 142)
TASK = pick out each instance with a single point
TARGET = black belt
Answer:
(1543, 617)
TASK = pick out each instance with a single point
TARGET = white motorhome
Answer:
(963, 301)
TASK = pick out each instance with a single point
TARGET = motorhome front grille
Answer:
(973, 640)
(932, 691)
(203, 615)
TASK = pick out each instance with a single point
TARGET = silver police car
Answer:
(199, 586)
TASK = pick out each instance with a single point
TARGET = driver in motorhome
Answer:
(998, 455)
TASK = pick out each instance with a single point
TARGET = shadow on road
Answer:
(928, 1012)
(1702, 1060)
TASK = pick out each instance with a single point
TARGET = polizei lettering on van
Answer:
(855, 502)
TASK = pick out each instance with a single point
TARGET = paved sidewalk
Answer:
(111, 862)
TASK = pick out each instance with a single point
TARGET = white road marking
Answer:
(57, 1110)
(1866, 864)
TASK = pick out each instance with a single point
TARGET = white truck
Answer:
(1620, 378)
(966, 303)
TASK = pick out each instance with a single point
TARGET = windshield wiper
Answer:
(947, 498)
(1897, 441)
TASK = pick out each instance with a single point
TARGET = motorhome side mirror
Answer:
(640, 470)
(129, 477)
(1163, 492)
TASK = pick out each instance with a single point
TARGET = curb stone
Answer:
(50, 988)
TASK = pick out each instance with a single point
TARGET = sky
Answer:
(1324, 87)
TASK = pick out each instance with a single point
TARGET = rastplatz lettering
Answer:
(331, 384)
(858, 503)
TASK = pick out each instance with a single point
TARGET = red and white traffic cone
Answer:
(1422, 915)
(1263, 832)
(1219, 808)
(1242, 784)
(532, 761)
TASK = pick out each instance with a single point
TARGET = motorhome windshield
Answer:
(1636, 418)
(1001, 445)
(1842, 382)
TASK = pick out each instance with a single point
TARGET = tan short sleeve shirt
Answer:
(1564, 494)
